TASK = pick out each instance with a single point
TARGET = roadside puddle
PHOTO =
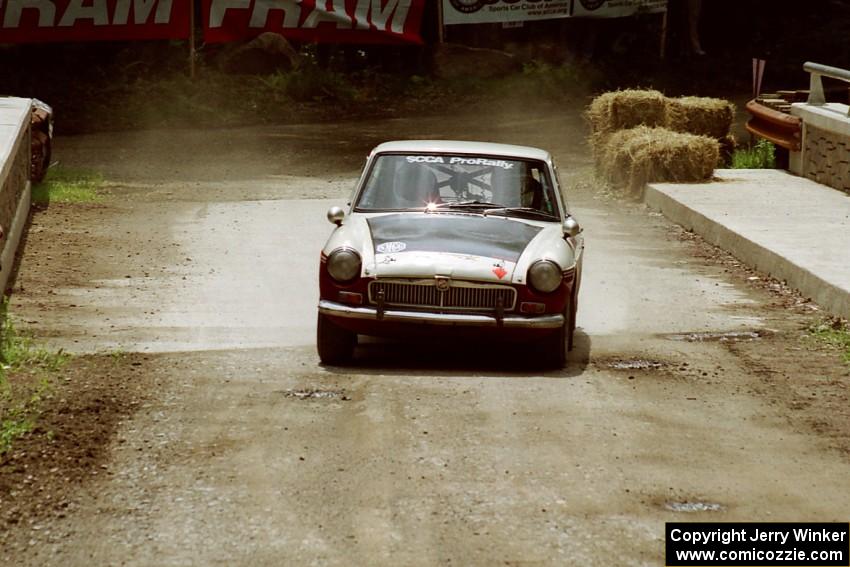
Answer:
(314, 394)
(691, 507)
(624, 362)
(635, 364)
(707, 337)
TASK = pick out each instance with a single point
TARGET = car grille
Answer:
(461, 296)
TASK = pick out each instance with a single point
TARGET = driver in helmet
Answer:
(516, 188)
(414, 186)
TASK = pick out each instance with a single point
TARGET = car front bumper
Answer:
(343, 311)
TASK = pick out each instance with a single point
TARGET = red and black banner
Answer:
(34, 21)
(333, 21)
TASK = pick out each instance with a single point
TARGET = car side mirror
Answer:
(571, 228)
(335, 215)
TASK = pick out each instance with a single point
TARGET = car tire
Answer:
(40, 156)
(553, 349)
(335, 344)
(571, 322)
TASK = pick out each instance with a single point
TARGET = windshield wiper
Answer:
(467, 205)
(529, 211)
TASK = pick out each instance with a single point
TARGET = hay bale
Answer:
(621, 110)
(728, 145)
(598, 146)
(702, 116)
(635, 157)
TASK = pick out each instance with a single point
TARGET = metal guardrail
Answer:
(782, 129)
(816, 72)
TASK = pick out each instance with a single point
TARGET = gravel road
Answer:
(692, 394)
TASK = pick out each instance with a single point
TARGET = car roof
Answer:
(463, 147)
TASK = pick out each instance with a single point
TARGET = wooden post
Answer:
(441, 36)
(192, 71)
(662, 52)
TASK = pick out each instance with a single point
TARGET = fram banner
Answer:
(338, 21)
(86, 20)
(617, 8)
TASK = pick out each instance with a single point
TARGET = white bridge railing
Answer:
(816, 72)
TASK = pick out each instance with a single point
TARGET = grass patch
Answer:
(68, 186)
(537, 82)
(551, 82)
(834, 333)
(218, 99)
(118, 355)
(148, 91)
(26, 370)
(214, 99)
(760, 156)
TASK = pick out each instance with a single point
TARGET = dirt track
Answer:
(242, 450)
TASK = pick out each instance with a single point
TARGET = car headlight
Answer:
(344, 265)
(545, 276)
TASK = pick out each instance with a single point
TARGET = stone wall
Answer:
(16, 181)
(15, 163)
(827, 157)
(825, 153)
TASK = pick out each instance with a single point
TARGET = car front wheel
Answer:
(572, 312)
(335, 344)
(554, 348)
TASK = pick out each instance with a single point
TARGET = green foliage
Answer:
(63, 185)
(312, 83)
(834, 333)
(15, 425)
(213, 99)
(539, 81)
(760, 156)
(553, 81)
(18, 350)
(117, 355)
(17, 419)
(538, 84)
(19, 354)
(147, 85)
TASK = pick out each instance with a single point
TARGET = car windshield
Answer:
(445, 182)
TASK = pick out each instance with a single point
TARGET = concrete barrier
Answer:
(15, 163)
(786, 226)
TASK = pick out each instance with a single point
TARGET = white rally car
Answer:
(460, 236)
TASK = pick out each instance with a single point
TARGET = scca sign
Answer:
(85, 20)
(617, 8)
(338, 21)
(484, 11)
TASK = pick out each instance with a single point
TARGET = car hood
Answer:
(458, 246)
